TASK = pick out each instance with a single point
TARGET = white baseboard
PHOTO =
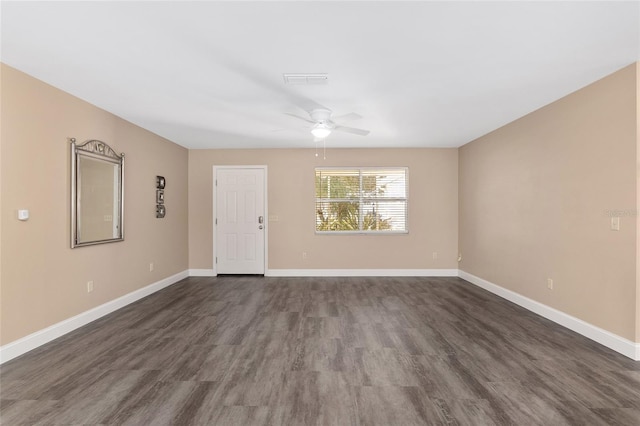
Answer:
(39, 338)
(202, 273)
(612, 341)
(361, 273)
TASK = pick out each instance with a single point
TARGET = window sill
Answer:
(362, 232)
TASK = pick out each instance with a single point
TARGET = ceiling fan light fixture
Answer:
(320, 131)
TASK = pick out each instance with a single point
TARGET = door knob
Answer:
(260, 227)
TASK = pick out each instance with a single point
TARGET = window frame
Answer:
(360, 199)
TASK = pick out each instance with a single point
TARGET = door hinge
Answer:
(216, 220)
(216, 182)
(216, 260)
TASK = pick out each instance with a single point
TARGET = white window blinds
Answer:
(361, 200)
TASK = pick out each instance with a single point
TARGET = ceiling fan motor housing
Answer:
(320, 115)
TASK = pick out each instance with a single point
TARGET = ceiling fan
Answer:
(324, 124)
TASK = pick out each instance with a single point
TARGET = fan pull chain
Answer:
(324, 148)
(316, 141)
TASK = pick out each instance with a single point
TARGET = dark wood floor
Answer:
(334, 351)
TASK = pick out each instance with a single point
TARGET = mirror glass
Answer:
(97, 194)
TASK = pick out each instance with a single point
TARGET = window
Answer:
(361, 200)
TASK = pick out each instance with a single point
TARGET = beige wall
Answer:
(43, 281)
(533, 198)
(638, 201)
(433, 183)
(1, 186)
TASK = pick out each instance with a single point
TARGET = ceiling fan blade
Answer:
(301, 118)
(348, 117)
(353, 130)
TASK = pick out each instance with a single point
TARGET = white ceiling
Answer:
(422, 74)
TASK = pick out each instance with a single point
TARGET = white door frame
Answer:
(266, 213)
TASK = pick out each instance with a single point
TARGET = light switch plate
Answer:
(615, 223)
(23, 214)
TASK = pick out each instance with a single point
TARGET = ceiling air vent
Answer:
(306, 78)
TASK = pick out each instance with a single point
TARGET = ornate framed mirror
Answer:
(97, 194)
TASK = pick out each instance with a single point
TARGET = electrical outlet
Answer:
(150, 266)
(549, 283)
(89, 286)
(435, 255)
(304, 254)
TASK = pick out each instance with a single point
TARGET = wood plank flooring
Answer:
(331, 351)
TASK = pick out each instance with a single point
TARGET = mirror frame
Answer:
(98, 150)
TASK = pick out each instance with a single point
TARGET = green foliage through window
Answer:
(361, 200)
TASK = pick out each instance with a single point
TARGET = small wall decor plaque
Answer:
(160, 211)
(160, 208)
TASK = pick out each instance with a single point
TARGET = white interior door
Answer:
(240, 221)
